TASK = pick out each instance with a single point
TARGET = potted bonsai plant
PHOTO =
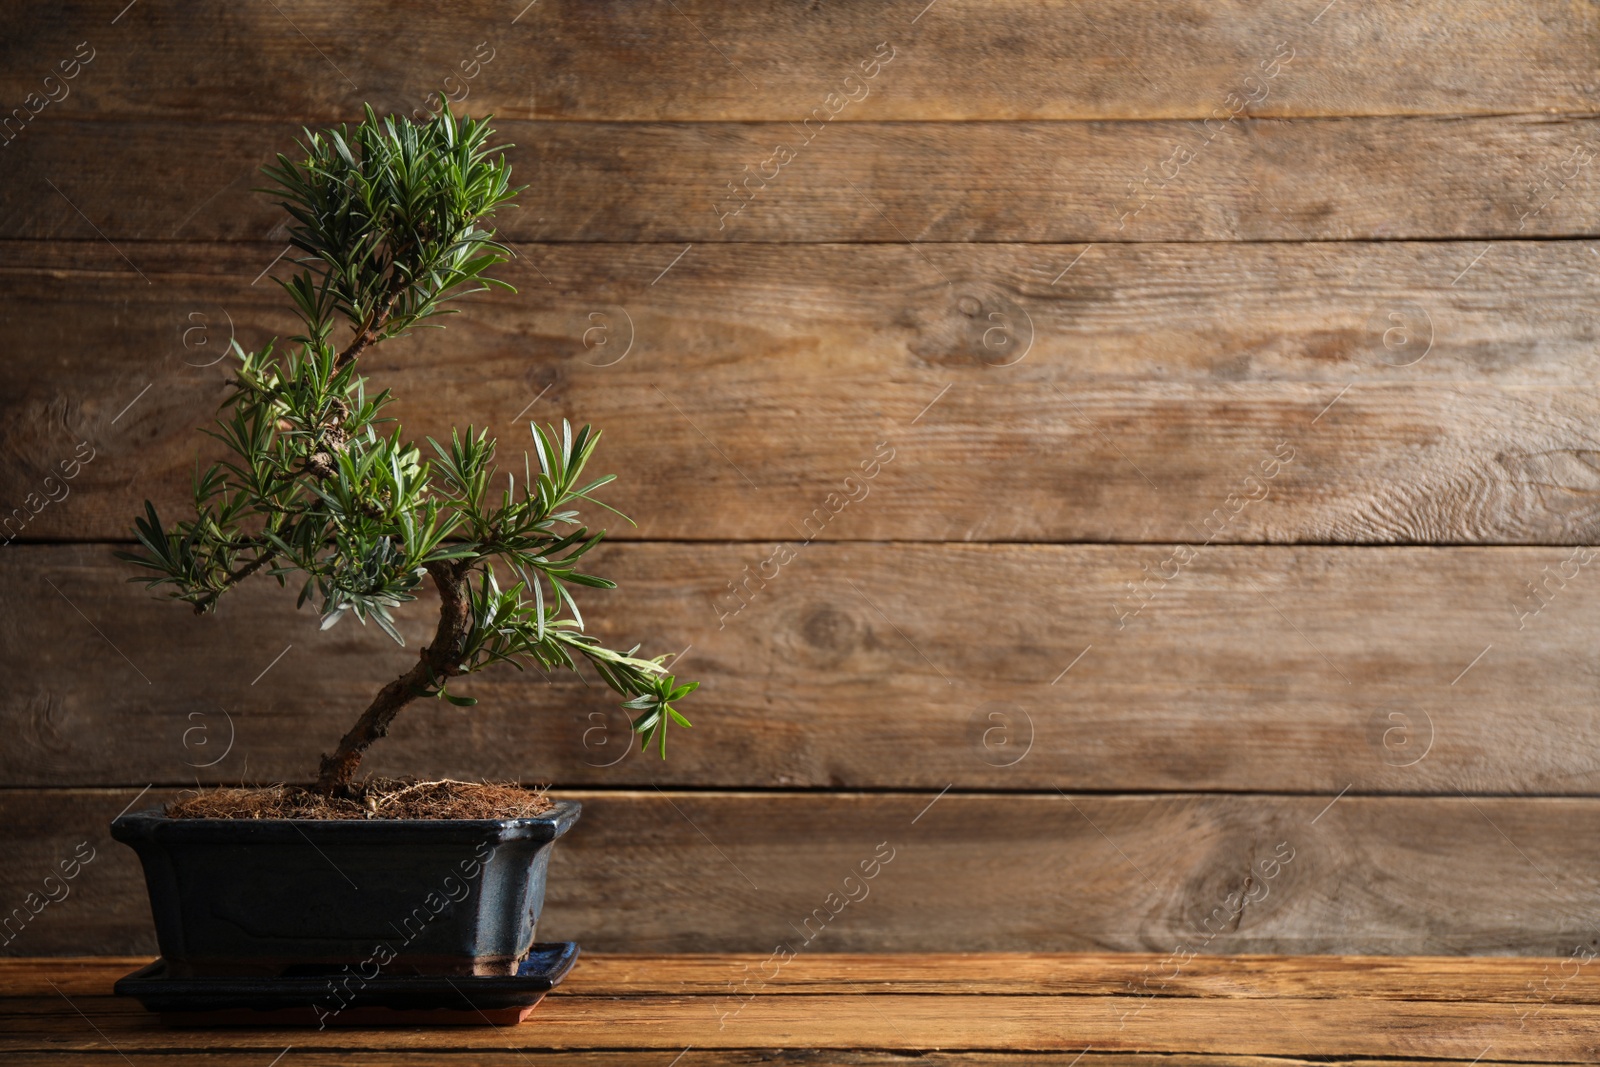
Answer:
(345, 875)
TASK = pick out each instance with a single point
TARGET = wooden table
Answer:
(1012, 1009)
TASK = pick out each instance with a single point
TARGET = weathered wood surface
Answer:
(443, 1051)
(700, 1057)
(1248, 179)
(1432, 392)
(656, 871)
(867, 666)
(1481, 979)
(699, 61)
(671, 1024)
(1254, 282)
(969, 1026)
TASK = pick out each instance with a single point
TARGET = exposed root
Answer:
(373, 798)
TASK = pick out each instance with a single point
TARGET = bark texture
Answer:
(438, 661)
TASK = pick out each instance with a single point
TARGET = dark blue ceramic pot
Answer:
(308, 897)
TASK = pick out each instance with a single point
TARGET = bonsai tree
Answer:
(321, 487)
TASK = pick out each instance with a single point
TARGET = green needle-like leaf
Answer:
(389, 219)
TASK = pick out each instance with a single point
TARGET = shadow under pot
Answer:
(302, 897)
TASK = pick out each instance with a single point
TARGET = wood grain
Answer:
(671, 1024)
(866, 666)
(699, 1057)
(721, 61)
(653, 872)
(1249, 179)
(765, 1057)
(1434, 392)
(1083, 287)
(1225, 1030)
(1481, 979)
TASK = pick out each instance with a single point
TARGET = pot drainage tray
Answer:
(329, 1000)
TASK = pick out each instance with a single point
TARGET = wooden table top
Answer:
(992, 1009)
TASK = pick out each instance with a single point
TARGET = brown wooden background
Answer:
(1308, 287)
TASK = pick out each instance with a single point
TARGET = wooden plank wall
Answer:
(1224, 371)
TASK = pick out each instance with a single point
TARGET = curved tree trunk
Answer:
(437, 662)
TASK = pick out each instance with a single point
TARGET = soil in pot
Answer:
(373, 798)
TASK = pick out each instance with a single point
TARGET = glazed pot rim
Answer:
(154, 824)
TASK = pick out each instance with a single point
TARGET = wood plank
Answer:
(595, 984)
(74, 976)
(1480, 979)
(28, 1018)
(1249, 179)
(719, 61)
(1434, 392)
(744, 872)
(697, 1058)
(694, 1058)
(1307, 669)
(1365, 1028)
